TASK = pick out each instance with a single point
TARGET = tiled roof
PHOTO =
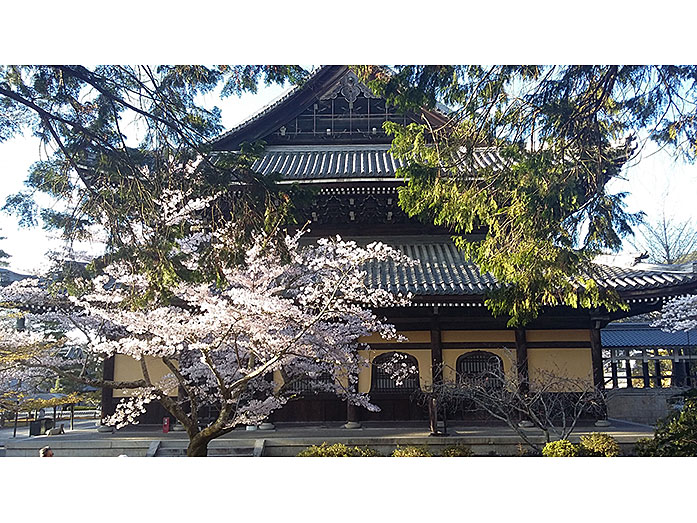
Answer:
(642, 335)
(644, 276)
(350, 161)
(7, 277)
(443, 270)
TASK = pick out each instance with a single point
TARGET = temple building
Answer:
(328, 135)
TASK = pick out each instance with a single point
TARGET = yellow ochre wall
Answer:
(475, 336)
(558, 335)
(128, 369)
(572, 362)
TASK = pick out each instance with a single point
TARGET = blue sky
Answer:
(655, 181)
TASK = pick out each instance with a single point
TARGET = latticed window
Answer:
(480, 368)
(644, 367)
(395, 372)
(308, 384)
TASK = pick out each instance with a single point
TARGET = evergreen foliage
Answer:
(563, 132)
(675, 435)
(110, 186)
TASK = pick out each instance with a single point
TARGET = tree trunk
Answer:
(198, 443)
(198, 448)
(199, 439)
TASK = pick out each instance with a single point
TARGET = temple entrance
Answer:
(394, 387)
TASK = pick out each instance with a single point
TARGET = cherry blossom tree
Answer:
(32, 355)
(679, 314)
(18, 382)
(297, 313)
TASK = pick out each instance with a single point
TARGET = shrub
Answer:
(675, 435)
(411, 451)
(337, 450)
(457, 451)
(646, 447)
(560, 449)
(528, 452)
(598, 444)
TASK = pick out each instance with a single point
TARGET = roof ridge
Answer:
(622, 262)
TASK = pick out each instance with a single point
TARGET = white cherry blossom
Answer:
(238, 345)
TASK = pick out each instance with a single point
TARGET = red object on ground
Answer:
(165, 425)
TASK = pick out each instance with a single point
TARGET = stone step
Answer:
(178, 449)
(236, 452)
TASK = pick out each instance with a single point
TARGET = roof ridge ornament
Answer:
(349, 86)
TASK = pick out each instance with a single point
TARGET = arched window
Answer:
(480, 368)
(310, 384)
(395, 372)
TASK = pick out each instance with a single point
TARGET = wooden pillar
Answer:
(645, 374)
(521, 352)
(436, 370)
(597, 355)
(352, 414)
(628, 372)
(659, 376)
(436, 349)
(615, 376)
(107, 393)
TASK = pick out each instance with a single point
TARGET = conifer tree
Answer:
(561, 134)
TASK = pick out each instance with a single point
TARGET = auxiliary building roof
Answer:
(643, 335)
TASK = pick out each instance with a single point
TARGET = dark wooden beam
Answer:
(521, 351)
(108, 393)
(597, 354)
(436, 348)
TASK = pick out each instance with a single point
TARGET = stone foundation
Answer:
(639, 405)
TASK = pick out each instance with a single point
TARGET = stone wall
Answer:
(639, 405)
